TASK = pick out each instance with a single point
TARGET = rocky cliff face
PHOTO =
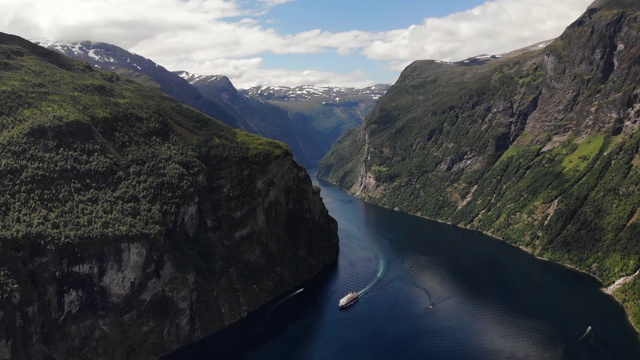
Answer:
(540, 148)
(133, 225)
(216, 261)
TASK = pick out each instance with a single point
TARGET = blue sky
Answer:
(345, 15)
(337, 16)
(295, 42)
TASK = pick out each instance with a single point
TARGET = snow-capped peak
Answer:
(193, 78)
(98, 54)
(328, 94)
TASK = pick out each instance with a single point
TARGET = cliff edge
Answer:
(132, 224)
(538, 148)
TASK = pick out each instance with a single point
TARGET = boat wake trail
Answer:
(280, 302)
(287, 298)
(587, 333)
(426, 291)
(433, 301)
(589, 346)
(382, 264)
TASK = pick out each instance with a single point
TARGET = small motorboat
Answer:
(349, 299)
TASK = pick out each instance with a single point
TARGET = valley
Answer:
(539, 149)
(307, 118)
(480, 208)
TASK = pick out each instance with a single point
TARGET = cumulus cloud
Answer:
(494, 27)
(275, 2)
(356, 78)
(246, 73)
(227, 37)
(121, 22)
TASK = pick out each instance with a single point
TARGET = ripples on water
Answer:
(429, 291)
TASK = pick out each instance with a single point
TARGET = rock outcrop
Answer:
(539, 148)
(132, 224)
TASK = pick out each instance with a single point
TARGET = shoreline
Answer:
(528, 251)
(609, 290)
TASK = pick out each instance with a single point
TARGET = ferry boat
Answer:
(349, 299)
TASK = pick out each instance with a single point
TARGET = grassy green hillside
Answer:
(89, 156)
(131, 224)
(541, 149)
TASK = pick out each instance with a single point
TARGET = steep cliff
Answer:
(541, 149)
(308, 118)
(307, 127)
(132, 224)
(306, 140)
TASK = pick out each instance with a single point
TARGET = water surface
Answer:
(429, 291)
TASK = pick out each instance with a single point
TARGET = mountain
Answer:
(110, 57)
(309, 130)
(325, 94)
(133, 224)
(259, 117)
(142, 70)
(307, 118)
(540, 148)
(332, 110)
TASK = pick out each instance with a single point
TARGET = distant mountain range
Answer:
(327, 94)
(309, 119)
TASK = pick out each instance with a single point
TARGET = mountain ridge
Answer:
(114, 58)
(539, 149)
(308, 129)
(133, 224)
(315, 114)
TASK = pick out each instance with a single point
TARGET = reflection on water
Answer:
(429, 291)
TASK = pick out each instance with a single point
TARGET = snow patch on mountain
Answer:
(100, 55)
(324, 94)
(198, 78)
(92, 54)
(327, 94)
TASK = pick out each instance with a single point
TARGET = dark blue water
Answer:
(429, 291)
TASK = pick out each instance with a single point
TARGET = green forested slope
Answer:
(541, 149)
(89, 155)
(131, 224)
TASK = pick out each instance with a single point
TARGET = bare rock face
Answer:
(133, 225)
(219, 259)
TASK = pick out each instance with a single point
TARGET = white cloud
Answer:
(355, 78)
(275, 2)
(226, 37)
(122, 22)
(246, 73)
(494, 27)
